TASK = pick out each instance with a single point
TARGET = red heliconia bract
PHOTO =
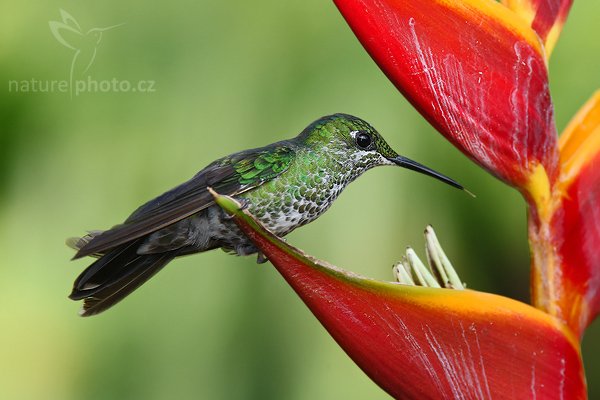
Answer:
(424, 343)
(471, 68)
(565, 233)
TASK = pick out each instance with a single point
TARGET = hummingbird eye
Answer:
(363, 140)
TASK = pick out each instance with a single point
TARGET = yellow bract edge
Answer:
(580, 141)
(507, 17)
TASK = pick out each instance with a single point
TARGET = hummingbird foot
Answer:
(244, 204)
(261, 258)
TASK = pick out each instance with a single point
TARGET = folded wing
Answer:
(231, 175)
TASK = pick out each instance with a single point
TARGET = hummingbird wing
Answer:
(230, 175)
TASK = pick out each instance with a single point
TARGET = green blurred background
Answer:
(227, 77)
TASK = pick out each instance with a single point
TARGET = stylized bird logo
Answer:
(85, 45)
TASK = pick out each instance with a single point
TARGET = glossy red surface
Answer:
(422, 343)
(481, 82)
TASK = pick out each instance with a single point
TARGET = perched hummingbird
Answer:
(285, 185)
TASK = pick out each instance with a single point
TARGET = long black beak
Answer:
(415, 166)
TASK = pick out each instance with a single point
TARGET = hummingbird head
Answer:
(358, 147)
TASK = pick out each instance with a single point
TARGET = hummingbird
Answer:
(285, 185)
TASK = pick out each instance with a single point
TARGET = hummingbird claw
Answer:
(244, 203)
(228, 217)
(261, 258)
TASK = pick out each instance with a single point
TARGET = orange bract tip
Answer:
(580, 141)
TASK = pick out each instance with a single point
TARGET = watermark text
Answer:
(80, 86)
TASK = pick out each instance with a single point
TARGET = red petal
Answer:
(474, 69)
(565, 231)
(422, 343)
(546, 17)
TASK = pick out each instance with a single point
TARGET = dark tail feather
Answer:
(115, 275)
